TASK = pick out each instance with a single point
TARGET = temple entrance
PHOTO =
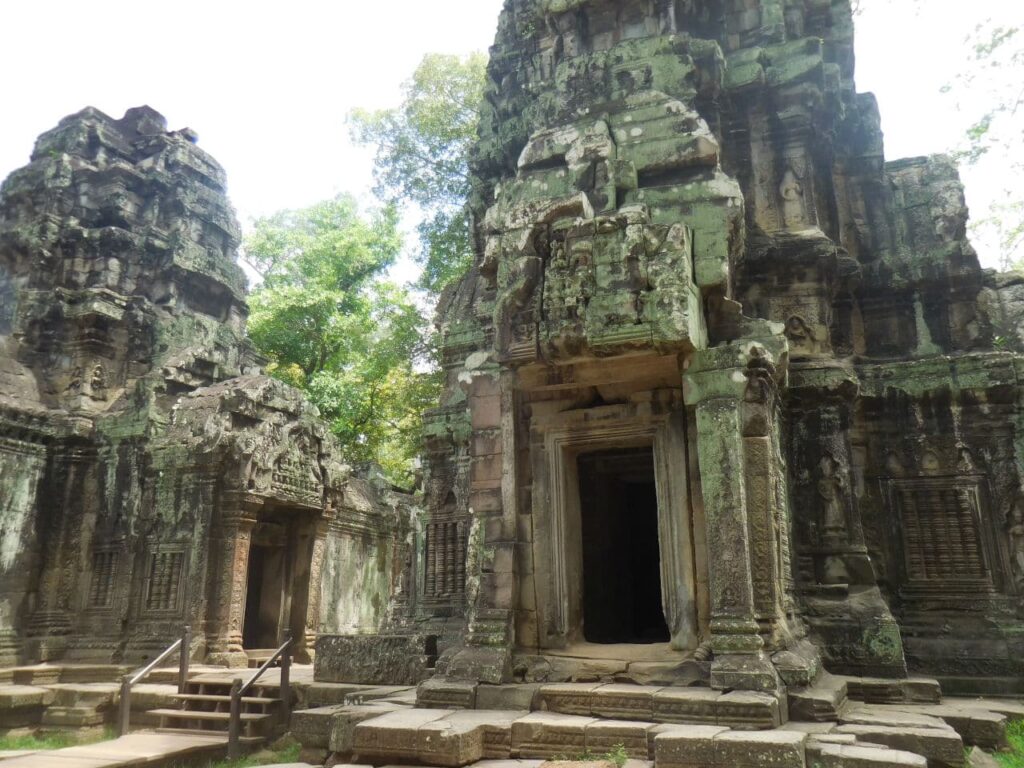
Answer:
(277, 587)
(622, 596)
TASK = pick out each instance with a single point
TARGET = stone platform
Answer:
(861, 735)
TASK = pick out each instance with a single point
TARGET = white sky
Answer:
(267, 85)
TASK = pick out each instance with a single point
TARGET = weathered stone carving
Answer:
(689, 242)
(149, 477)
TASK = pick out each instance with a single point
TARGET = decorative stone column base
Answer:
(745, 672)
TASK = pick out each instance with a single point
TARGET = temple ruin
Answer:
(732, 430)
(149, 476)
(729, 397)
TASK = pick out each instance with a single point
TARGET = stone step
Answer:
(249, 741)
(453, 738)
(210, 698)
(208, 717)
(694, 706)
(883, 690)
(942, 748)
(821, 702)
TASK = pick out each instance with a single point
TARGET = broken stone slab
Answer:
(941, 747)
(662, 673)
(976, 727)
(604, 736)
(849, 756)
(819, 703)
(465, 733)
(872, 714)
(394, 735)
(546, 734)
(312, 727)
(979, 758)
(342, 735)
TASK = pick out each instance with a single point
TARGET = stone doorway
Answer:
(622, 593)
(277, 581)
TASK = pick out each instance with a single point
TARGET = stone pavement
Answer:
(137, 749)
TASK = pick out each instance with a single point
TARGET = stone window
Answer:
(163, 588)
(101, 587)
(942, 537)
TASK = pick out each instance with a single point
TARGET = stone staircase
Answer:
(205, 708)
(836, 723)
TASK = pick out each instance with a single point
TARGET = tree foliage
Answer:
(333, 326)
(422, 157)
(995, 70)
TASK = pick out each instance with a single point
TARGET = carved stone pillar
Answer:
(231, 540)
(717, 383)
(306, 644)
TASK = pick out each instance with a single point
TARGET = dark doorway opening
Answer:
(277, 586)
(621, 559)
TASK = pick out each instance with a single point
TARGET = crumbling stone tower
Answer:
(150, 477)
(721, 379)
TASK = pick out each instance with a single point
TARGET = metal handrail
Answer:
(238, 690)
(182, 644)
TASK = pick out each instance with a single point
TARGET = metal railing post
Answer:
(235, 723)
(186, 650)
(286, 674)
(125, 711)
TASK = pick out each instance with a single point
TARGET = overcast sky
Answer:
(267, 85)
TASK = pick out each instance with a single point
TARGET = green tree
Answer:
(422, 157)
(333, 326)
(995, 70)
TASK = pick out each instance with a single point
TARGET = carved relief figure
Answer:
(791, 190)
(98, 383)
(1016, 534)
(831, 488)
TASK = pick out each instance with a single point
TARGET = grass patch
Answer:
(1015, 757)
(287, 754)
(57, 740)
(616, 755)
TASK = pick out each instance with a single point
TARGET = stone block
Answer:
(603, 736)
(744, 710)
(942, 747)
(518, 696)
(694, 706)
(763, 749)
(660, 673)
(819, 703)
(854, 756)
(372, 659)
(312, 727)
(585, 670)
(979, 758)
(623, 702)
(451, 742)
(546, 734)
(395, 735)
(23, 705)
(686, 746)
(567, 698)
(445, 693)
(342, 735)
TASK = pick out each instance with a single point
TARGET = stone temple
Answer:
(731, 409)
